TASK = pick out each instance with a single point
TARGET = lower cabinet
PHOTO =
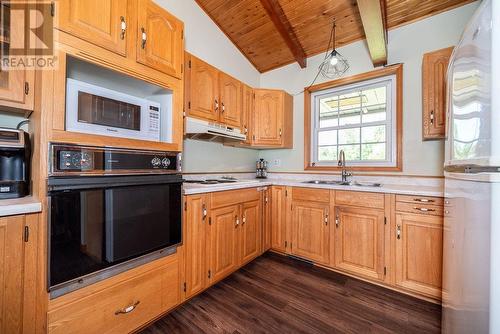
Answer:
(223, 232)
(18, 249)
(359, 241)
(278, 218)
(266, 219)
(121, 307)
(419, 253)
(311, 231)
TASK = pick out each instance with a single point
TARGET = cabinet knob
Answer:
(398, 232)
(216, 105)
(337, 221)
(144, 37)
(127, 309)
(432, 116)
(123, 26)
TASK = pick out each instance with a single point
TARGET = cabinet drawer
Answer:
(358, 198)
(233, 197)
(308, 194)
(434, 210)
(419, 199)
(120, 308)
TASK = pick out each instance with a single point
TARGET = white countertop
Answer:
(404, 189)
(19, 206)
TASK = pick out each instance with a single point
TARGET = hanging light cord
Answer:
(332, 38)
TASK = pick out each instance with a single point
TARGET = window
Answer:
(359, 115)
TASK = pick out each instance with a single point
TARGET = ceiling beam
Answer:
(275, 12)
(374, 24)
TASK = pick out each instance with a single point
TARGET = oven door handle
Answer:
(93, 182)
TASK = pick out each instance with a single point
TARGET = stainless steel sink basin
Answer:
(349, 183)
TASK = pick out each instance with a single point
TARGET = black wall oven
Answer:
(110, 210)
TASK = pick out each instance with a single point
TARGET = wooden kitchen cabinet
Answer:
(310, 231)
(195, 244)
(272, 119)
(160, 39)
(266, 219)
(247, 113)
(434, 91)
(211, 94)
(278, 219)
(419, 253)
(224, 255)
(108, 29)
(230, 100)
(16, 86)
(251, 229)
(18, 248)
(359, 241)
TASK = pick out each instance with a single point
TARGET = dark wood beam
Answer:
(275, 12)
(373, 17)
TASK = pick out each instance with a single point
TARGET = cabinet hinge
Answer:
(286, 244)
(52, 9)
(209, 220)
(185, 206)
(26, 233)
(385, 220)
(385, 271)
(190, 64)
(182, 68)
(184, 286)
(26, 88)
(286, 193)
(189, 104)
(209, 274)
(182, 34)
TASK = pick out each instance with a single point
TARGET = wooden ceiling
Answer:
(301, 28)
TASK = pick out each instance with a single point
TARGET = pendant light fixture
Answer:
(334, 65)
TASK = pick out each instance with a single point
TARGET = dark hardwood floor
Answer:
(276, 294)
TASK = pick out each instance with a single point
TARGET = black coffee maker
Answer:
(15, 156)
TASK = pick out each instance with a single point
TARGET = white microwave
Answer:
(97, 110)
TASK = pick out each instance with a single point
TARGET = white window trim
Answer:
(391, 122)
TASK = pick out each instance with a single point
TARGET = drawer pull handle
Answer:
(398, 232)
(127, 309)
(424, 209)
(337, 221)
(144, 38)
(423, 200)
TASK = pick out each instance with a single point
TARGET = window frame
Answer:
(339, 85)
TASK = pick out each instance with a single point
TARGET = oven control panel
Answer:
(93, 160)
(76, 160)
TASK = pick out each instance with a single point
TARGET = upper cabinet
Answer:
(265, 116)
(272, 119)
(434, 90)
(156, 42)
(160, 39)
(211, 94)
(16, 86)
(107, 30)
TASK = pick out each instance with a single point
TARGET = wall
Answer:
(406, 45)
(205, 40)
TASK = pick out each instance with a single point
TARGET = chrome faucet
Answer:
(341, 163)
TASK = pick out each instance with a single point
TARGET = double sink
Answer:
(345, 183)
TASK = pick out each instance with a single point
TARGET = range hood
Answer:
(210, 131)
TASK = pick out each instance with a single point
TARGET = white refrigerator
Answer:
(471, 263)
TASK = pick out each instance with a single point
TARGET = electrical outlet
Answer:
(277, 162)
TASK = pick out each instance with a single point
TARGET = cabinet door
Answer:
(266, 220)
(11, 274)
(224, 227)
(246, 112)
(359, 241)
(278, 219)
(230, 100)
(16, 86)
(160, 39)
(310, 231)
(101, 22)
(268, 118)
(202, 90)
(250, 232)
(434, 68)
(195, 244)
(419, 253)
